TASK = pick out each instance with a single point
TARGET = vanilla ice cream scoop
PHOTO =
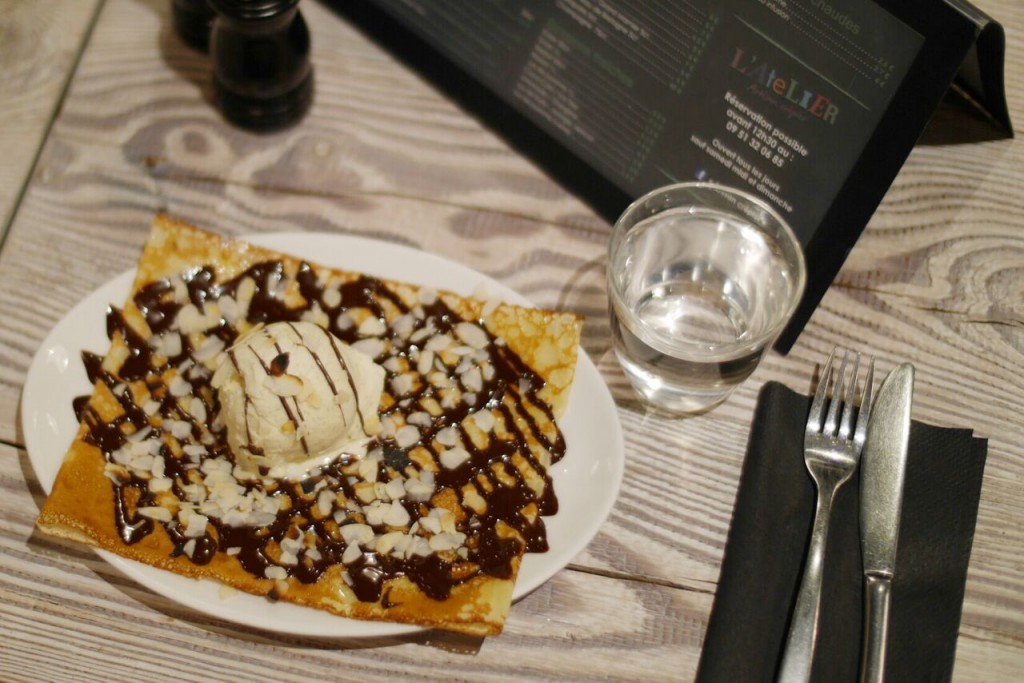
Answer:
(294, 397)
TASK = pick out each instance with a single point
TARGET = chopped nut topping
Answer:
(407, 498)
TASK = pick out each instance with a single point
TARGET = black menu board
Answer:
(813, 105)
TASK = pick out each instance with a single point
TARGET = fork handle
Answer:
(803, 628)
(876, 627)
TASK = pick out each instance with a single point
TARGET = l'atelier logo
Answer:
(762, 73)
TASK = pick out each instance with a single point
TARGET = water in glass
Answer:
(694, 290)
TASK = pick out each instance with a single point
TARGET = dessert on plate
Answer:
(372, 448)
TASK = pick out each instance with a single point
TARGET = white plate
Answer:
(586, 480)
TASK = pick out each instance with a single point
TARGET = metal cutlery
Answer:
(882, 474)
(833, 442)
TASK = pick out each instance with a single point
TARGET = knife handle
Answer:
(877, 598)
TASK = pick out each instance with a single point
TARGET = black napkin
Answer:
(768, 539)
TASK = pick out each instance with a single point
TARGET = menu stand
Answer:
(812, 105)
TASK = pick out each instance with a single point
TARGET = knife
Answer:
(883, 469)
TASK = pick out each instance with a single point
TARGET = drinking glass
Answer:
(702, 278)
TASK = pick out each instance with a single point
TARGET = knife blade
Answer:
(883, 470)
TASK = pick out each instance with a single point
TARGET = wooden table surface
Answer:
(105, 119)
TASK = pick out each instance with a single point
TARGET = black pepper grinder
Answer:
(260, 51)
(193, 20)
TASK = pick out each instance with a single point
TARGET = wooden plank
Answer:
(49, 590)
(39, 42)
(374, 128)
(670, 522)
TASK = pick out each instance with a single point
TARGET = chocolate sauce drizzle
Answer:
(511, 392)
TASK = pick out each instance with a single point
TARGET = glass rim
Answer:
(787, 238)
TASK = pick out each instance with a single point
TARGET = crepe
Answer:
(428, 528)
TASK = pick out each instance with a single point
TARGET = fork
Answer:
(831, 453)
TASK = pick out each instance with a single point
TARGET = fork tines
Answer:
(836, 426)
